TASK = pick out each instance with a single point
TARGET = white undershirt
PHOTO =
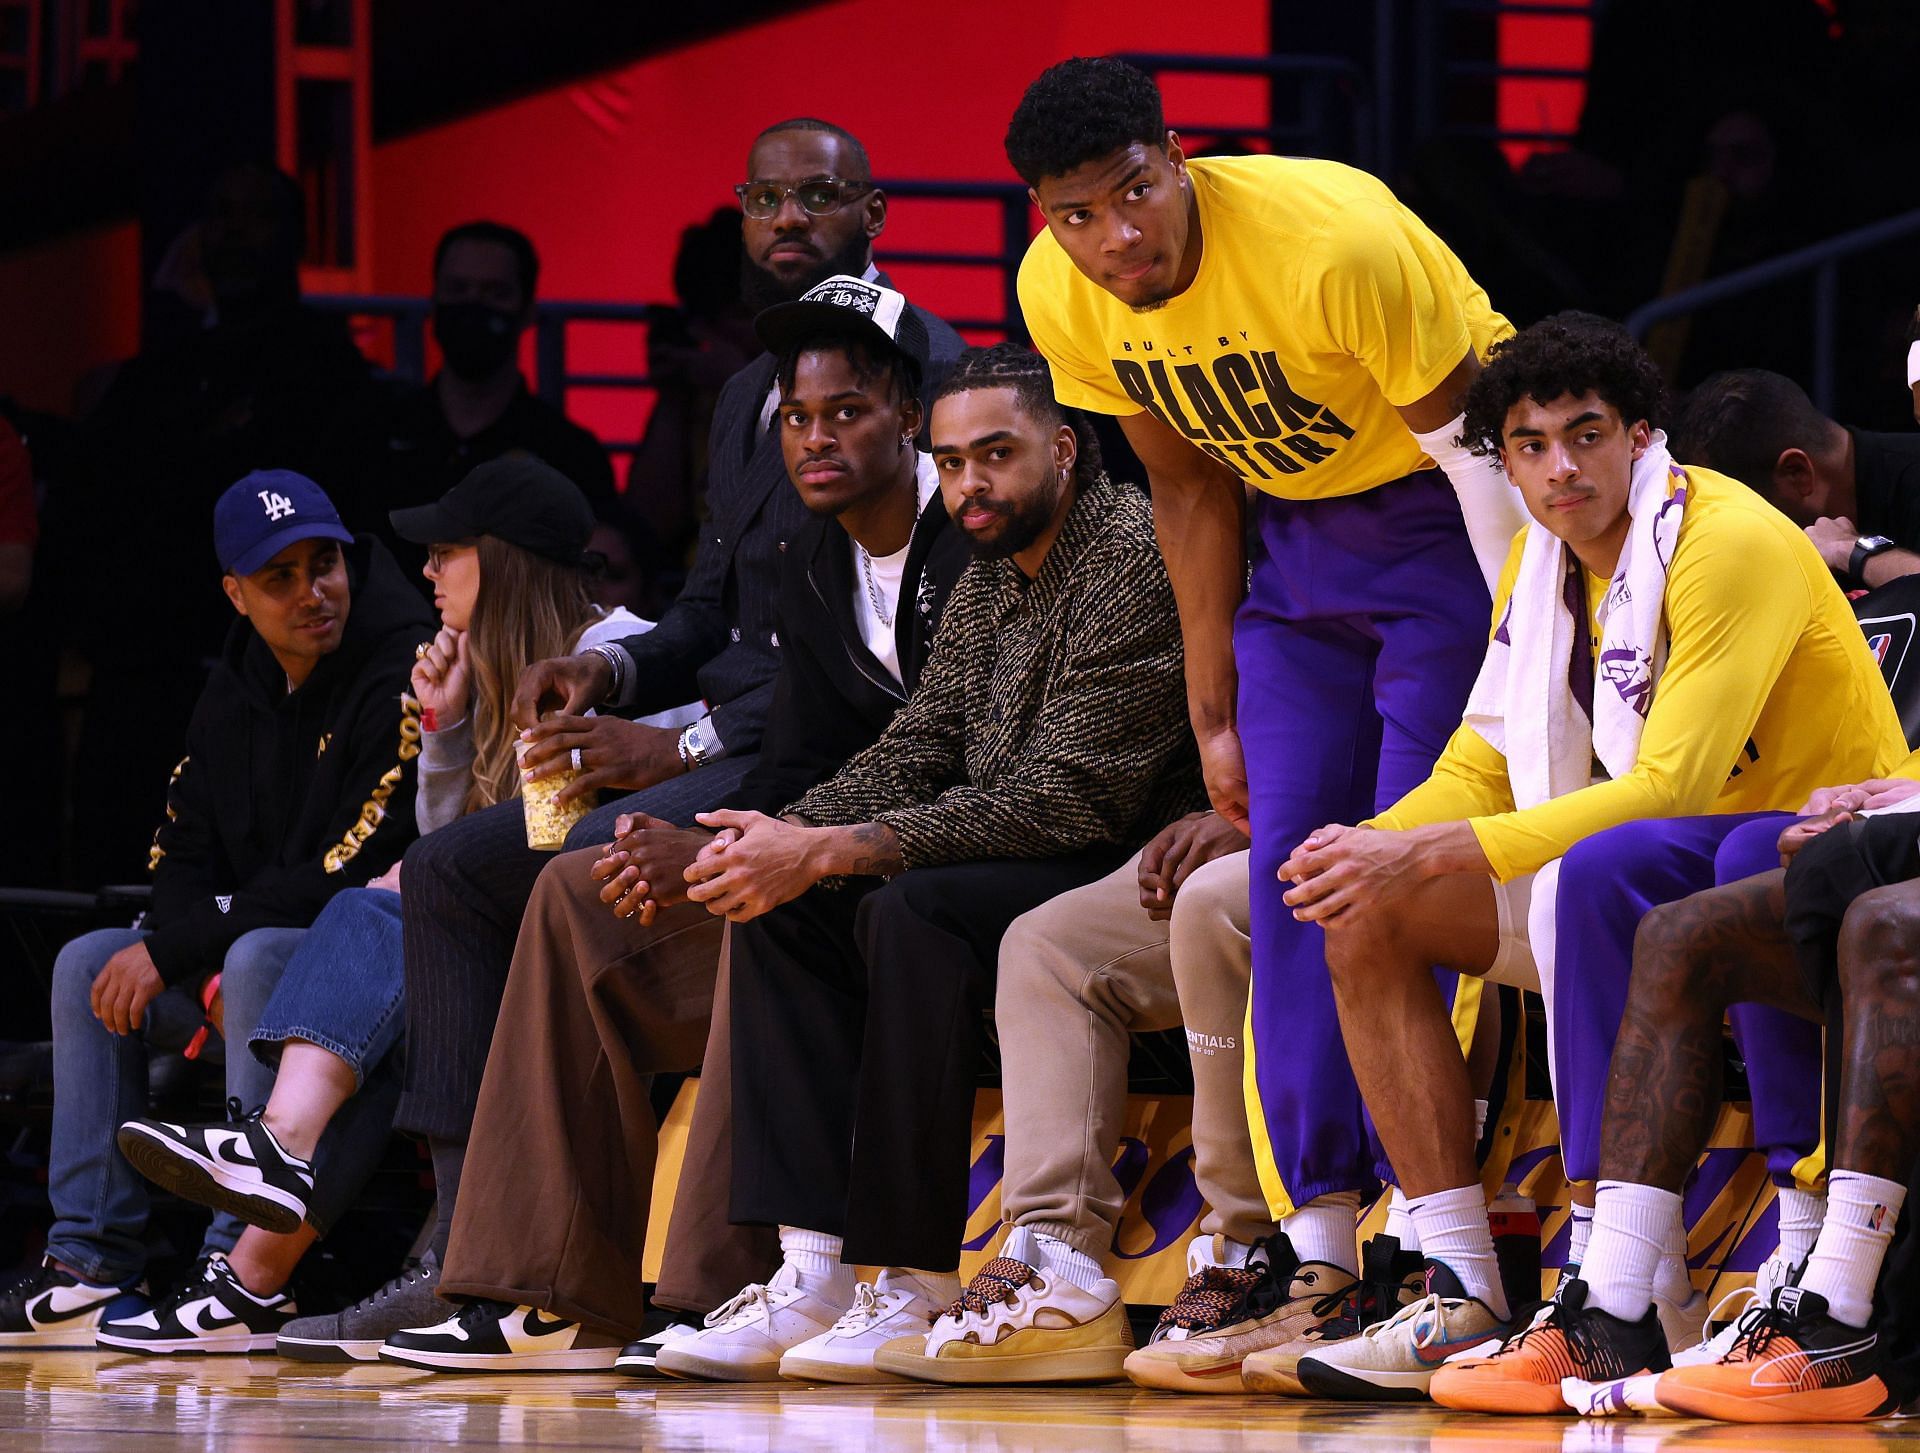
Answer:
(883, 575)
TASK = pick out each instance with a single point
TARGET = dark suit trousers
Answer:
(858, 1019)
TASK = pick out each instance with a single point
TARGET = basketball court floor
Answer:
(94, 1403)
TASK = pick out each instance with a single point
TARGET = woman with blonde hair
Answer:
(506, 556)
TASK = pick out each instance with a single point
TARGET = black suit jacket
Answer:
(719, 640)
(832, 697)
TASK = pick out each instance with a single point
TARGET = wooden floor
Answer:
(93, 1403)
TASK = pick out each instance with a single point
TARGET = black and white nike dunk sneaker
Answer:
(210, 1312)
(489, 1336)
(237, 1167)
(354, 1334)
(638, 1357)
(53, 1310)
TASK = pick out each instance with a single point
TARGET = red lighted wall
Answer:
(66, 307)
(604, 174)
(1532, 104)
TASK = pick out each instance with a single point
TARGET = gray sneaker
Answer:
(355, 1333)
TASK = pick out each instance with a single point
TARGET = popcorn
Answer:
(547, 823)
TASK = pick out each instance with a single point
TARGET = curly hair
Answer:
(1016, 367)
(1568, 353)
(1080, 110)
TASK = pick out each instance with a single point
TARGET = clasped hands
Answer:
(738, 864)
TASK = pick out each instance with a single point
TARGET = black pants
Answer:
(858, 1019)
(464, 890)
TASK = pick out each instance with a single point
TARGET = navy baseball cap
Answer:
(266, 512)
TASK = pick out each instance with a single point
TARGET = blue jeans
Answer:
(100, 1080)
(344, 990)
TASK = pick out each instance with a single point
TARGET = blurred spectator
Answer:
(614, 576)
(19, 520)
(261, 382)
(478, 406)
(1856, 493)
(691, 353)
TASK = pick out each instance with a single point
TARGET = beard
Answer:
(1026, 521)
(760, 288)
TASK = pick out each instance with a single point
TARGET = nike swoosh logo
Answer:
(192, 1317)
(534, 1325)
(45, 1311)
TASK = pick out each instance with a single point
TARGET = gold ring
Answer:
(420, 651)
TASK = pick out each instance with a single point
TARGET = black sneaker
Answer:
(210, 1312)
(490, 1336)
(237, 1167)
(54, 1310)
(354, 1333)
(661, 1326)
(1793, 1363)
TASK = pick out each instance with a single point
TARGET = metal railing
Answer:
(1822, 259)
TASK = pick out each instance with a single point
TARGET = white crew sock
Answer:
(1323, 1230)
(1479, 1120)
(1801, 1213)
(1579, 1232)
(1216, 1250)
(1633, 1225)
(1454, 1231)
(1861, 1212)
(1672, 1278)
(941, 1289)
(815, 1259)
(1053, 1256)
(1400, 1221)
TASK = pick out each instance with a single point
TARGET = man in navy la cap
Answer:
(297, 782)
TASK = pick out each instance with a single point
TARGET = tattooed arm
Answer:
(755, 862)
(1691, 959)
(1880, 1082)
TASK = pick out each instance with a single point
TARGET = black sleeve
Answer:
(800, 746)
(367, 828)
(186, 861)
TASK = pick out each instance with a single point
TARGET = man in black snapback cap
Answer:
(469, 883)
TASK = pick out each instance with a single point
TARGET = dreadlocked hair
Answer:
(868, 360)
(1569, 353)
(1018, 368)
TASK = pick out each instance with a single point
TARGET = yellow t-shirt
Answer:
(1321, 305)
(1769, 692)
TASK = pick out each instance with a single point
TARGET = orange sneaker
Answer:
(1793, 1364)
(1567, 1338)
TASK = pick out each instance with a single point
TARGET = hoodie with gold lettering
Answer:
(284, 798)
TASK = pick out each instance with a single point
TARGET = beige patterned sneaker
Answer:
(1017, 1324)
(1389, 1279)
(1225, 1313)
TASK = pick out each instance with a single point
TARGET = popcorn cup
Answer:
(547, 823)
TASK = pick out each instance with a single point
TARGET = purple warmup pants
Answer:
(1607, 883)
(1363, 629)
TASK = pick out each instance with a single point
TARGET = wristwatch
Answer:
(1864, 549)
(694, 749)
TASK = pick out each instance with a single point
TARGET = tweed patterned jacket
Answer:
(1051, 717)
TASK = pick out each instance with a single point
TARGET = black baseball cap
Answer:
(517, 498)
(853, 306)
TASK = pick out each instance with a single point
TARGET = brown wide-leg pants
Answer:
(559, 1175)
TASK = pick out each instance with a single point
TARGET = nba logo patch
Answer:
(1877, 1220)
(1880, 644)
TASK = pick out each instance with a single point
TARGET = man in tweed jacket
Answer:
(1047, 741)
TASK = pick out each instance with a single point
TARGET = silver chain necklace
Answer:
(873, 589)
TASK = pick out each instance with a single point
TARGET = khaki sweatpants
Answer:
(1078, 976)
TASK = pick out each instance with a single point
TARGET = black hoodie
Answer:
(284, 798)
(832, 697)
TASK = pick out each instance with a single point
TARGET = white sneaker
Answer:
(744, 1340)
(844, 1352)
(1685, 1322)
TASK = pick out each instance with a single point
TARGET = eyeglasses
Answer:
(439, 555)
(820, 196)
